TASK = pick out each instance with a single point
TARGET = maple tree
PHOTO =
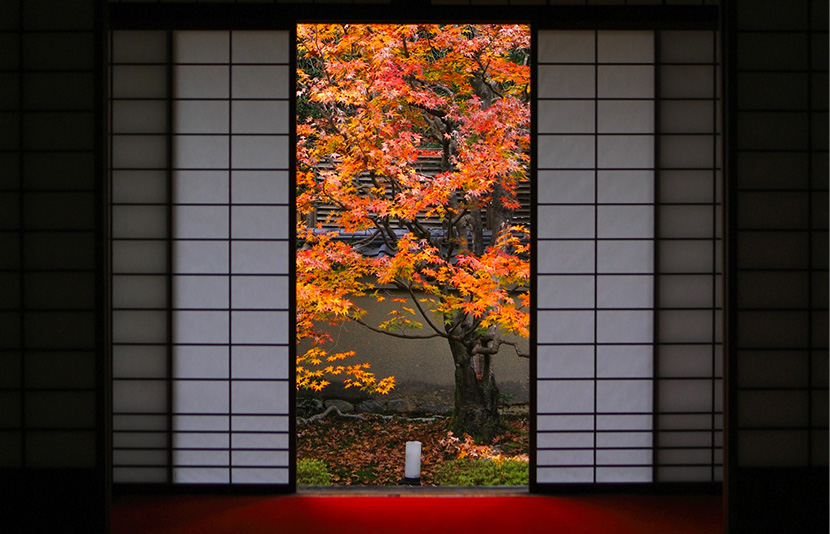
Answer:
(372, 101)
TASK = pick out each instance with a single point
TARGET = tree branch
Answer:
(395, 334)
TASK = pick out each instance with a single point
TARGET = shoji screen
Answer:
(627, 258)
(689, 351)
(200, 262)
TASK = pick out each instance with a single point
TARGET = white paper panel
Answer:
(143, 186)
(567, 440)
(566, 152)
(260, 187)
(692, 81)
(269, 397)
(625, 326)
(624, 396)
(629, 81)
(691, 116)
(204, 292)
(259, 292)
(260, 327)
(625, 221)
(260, 458)
(259, 257)
(259, 476)
(201, 440)
(259, 440)
(634, 361)
(624, 422)
(624, 474)
(624, 457)
(625, 151)
(625, 291)
(259, 82)
(566, 81)
(200, 222)
(201, 47)
(569, 361)
(260, 423)
(200, 327)
(200, 152)
(558, 396)
(687, 291)
(139, 396)
(200, 475)
(565, 457)
(565, 187)
(200, 361)
(566, 46)
(566, 256)
(260, 47)
(685, 326)
(139, 361)
(564, 423)
(200, 117)
(620, 187)
(625, 116)
(687, 186)
(625, 256)
(687, 221)
(137, 116)
(566, 116)
(687, 151)
(200, 458)
(686, 256)
(259, 222)
(199, 396)
(687, 46)
(139, 46)
(139, 326)
(625, 46)
(139, 291)
(200, 187)
(200, 257)
(259, 362)
(615, 440)
(259, 152)
(265, 117)
(555, 475)
(200, 423)
(566, 222)
(139, 152)
(565, 326)
(201, 81)
(139, 81)
(685, 360)
(139, 422)
(565, 291)
(139, 256)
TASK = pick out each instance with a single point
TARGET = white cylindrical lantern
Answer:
(412, 472)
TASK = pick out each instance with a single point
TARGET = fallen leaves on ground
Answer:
(372, 452)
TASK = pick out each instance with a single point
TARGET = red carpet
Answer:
(427, 514)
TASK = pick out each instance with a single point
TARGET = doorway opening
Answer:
(413, 258)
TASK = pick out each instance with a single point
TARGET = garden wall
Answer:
(423, 369)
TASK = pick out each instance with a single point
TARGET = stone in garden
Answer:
(399, 405)
(435, 408)
(343, 406)
(370, 406)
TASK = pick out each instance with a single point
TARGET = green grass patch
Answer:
(482, 472)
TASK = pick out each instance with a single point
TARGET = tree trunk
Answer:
(476, 409)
